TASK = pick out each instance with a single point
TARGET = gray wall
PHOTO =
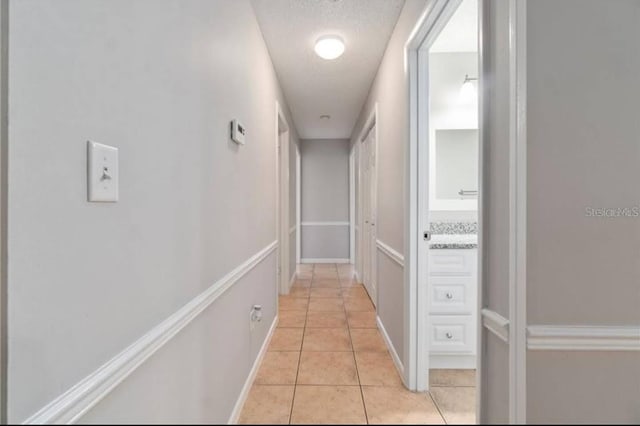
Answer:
(495, 207)
(4, 152)
(325, 198)
(583, 151)
(390, 90)
(161, 81)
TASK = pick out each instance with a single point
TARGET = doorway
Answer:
(450, 200)
(444, 183)
(494, 331)
(367, 185)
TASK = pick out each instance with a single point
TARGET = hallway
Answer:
(327, 363)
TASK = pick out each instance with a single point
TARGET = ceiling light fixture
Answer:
(468, 92)
(325, 117)
(329, 47)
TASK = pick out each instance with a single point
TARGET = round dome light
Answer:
(329, 47)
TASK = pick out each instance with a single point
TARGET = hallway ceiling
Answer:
(314, 86)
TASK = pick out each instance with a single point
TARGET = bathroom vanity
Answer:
(453, 284)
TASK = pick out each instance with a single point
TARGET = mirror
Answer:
(456, 174)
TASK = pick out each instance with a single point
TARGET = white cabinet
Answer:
(453, 284)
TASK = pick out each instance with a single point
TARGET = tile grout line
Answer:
(344, 293)
(304, 329)
(437, 408)
(355, 361)
(344, 310)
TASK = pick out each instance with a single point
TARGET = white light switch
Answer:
(102, 172)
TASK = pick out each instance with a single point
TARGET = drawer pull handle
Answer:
(449, 296)
(449, 336)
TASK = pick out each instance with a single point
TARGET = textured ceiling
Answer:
(314, 86)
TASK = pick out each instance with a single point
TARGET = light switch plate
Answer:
(102, 172)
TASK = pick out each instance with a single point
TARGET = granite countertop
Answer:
(454, 235)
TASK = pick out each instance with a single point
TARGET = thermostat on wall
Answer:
(238, 132)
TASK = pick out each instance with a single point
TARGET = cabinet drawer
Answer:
(452, 334)
(452, 295)
(452, 262)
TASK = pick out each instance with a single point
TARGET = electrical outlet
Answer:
(255, 316)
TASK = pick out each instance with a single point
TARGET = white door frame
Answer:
(372, 121)
(356, 202)
(282, 198)
(352, 205)
(416, 362)
(298, 206)
(434, 17)
(517, 211)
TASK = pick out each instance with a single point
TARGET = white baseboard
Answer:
(453, 361)
(392, 350)
(292, 280)
(242, 398)
(71, 405)
(308, 260)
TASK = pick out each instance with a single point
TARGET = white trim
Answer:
(282, 197)
(411, 209)
(242, 398)
(390, 252)
(374, 269)
(370, 275)
(318, 260)
(482, 107)
(359, 262)
(392, 350)
(352, 205)
(517, 212)
(435, 16)
(292, 229)
(292, 280)
(325, 224)
(423, 248)
(496, 323)
(583, 338)
(298, 205)
(75, 402)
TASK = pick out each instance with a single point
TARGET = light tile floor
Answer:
(328, 364)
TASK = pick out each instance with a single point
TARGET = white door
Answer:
(368, 164)
(364, 167)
